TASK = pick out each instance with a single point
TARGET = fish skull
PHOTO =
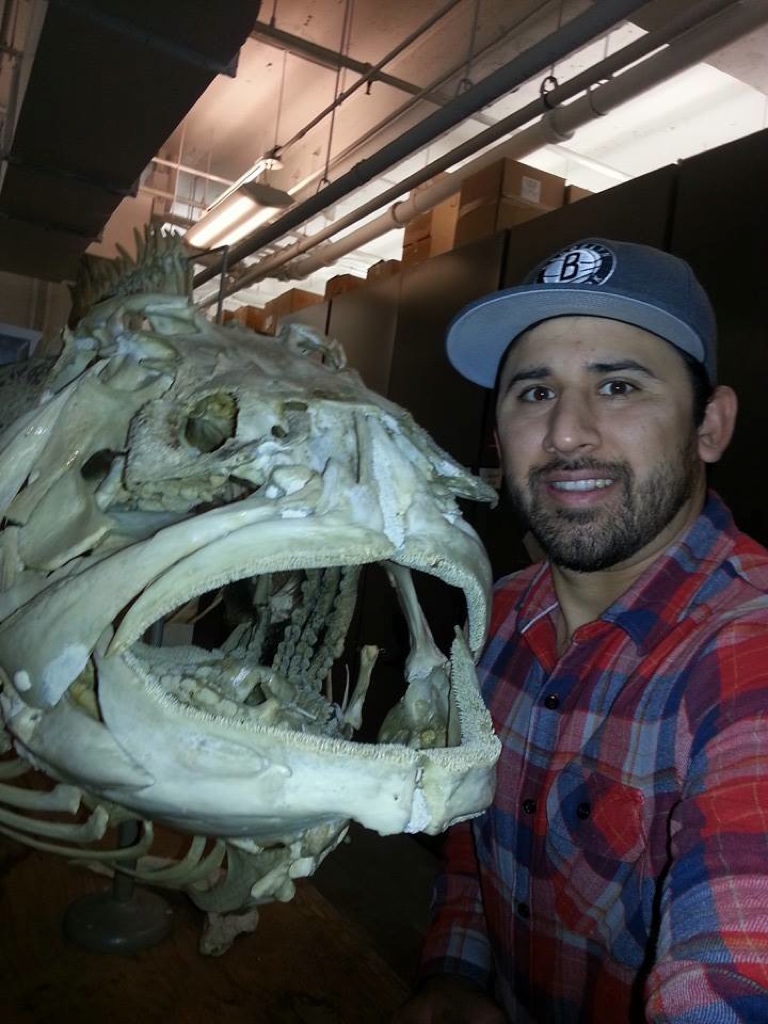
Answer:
(171, 458)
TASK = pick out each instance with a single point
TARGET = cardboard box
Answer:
(248, 316)
(439, 224)
(289, 302)
(574, 192)
(503, 195)
(417, 252)
(384, 268)
(486, 219)
(513, 180)
(342, 283)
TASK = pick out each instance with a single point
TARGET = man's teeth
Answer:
(581, 485)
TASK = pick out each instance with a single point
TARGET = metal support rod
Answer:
(123, 919)
(193, 171)
(123, 885)
(333, 60)
(222, 282)
(580, 30)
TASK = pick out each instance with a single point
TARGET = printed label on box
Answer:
(530, 189)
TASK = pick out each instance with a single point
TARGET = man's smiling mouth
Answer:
(581, 485)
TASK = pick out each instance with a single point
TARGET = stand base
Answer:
(102, 924)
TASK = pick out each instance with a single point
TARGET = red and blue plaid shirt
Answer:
(622, 871)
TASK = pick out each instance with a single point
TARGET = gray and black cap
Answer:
(624, 281)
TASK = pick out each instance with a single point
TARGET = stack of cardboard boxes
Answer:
(500, 196)
(267, 320)
(503, 195)
(431, 232)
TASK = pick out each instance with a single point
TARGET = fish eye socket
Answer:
(211, 422)
(98, 465)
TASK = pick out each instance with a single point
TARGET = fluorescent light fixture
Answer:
(236, 213)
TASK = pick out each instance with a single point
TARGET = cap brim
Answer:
(481, 333)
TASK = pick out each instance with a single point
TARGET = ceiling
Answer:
(339, 89)
(89, 91)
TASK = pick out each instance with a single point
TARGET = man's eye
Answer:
(616, 388)
(538, 393)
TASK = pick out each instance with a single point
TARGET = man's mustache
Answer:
(616, 470)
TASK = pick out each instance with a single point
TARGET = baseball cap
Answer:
(625, 281)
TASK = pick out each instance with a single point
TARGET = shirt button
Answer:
(524, 910)
(583, 811)
(551, 701)
(529, 806)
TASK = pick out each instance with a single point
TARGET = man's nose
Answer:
(572, 424)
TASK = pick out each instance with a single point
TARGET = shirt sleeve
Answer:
(457, 941)
(712, 955)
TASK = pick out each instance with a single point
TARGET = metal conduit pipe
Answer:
(334, 60)
(286, 260)
(695, 46)
(580, 30)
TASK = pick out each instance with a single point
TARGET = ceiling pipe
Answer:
(559, 124)
(597, 19)
(286, 263)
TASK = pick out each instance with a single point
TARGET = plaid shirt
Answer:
(622, 871)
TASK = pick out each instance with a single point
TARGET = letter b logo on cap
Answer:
(580, 264)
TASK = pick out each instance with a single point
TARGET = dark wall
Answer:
(721, 227)
(364, 321)
(422, 380)
(313, 316)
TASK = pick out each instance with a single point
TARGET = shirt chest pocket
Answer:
(594, 814)
(595, 840)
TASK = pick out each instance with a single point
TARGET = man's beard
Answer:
(589, 540)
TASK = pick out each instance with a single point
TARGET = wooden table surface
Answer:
(305, 963)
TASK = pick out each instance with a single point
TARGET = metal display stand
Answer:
(123, 919)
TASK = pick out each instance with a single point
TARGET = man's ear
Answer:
(715, 432)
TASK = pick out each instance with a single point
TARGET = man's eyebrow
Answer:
(531, 373)
(619, 365)
(544, 372)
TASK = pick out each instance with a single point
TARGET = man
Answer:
(621, 874)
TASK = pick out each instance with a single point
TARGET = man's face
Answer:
(599, 447)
